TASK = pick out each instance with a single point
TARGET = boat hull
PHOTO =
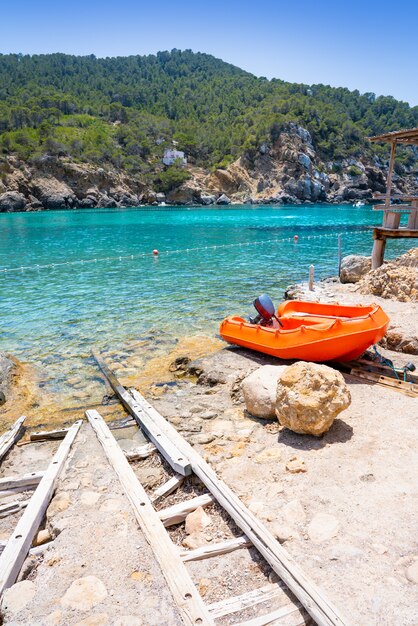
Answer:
(312, 332)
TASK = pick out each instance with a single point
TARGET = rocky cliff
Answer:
(287, 170)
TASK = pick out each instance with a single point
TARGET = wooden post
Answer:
(378, 253)
(339, 253)
(10, 436)
(390, 173)
(311, 277)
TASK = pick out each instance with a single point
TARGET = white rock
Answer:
(293, 512)
(283, 533)
(196, 521)
(84, 593)
(259, 390)
(354, 267)
(412, 572)
(89, 498)
(18, 596)
(323, 527)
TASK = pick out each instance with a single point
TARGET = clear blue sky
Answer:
(341, 43)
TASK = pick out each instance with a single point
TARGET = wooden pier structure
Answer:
(395, 205)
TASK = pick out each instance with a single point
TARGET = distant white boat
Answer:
(162, 204)
(359, 203)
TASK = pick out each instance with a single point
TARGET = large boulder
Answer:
(309, 397)
(7, 370)
(354, 267)
(223, 199)
(259, 390)
(392, 281)
(12, 201)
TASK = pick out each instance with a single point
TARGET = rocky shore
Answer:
(286, 171)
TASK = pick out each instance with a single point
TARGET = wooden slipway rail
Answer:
(310, 596)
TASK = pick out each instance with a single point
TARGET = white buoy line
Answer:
(155, 253)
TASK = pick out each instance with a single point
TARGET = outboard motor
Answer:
(265, 309)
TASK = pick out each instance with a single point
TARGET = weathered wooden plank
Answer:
(158, 438)
(178, 512)
(46, 435)
(408, 389)
(12, 507)
(19, 543)
(189, 602)
(168, 487)
(215, 549)
(312, 598)
(274, 618)
(142, 452)
(11, 436)
(28, 481)
(246, 600)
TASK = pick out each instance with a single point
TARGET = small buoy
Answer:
(295, 238)
(155, 252)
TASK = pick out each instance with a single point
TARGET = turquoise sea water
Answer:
(53, 316)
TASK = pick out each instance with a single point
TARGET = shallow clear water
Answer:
(53, 316)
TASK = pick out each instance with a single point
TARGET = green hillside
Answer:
(124, 111)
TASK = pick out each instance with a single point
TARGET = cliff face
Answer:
(289, 170)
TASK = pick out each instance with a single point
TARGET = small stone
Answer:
(283, 533)
(84, 593)
(293, 512)
(193, 541)
(60, 503)
(100, 619)
(296, 465)
(141, 576)
(412, 572)
(256, 507)
(112, 504)
(208, 415)
(197, 521)
(269, 455)
(202, 438)
(16, 597)
(323, 527)
(42, 537)
(89, 498)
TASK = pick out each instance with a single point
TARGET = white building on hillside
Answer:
(171, 155)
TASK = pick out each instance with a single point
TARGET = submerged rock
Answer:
(309, 397)
(259, 390)
(354, 267)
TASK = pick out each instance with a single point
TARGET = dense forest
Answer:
(124, 111)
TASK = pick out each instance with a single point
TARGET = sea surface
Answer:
(80, 279)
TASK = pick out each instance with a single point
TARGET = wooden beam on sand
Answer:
(177, 513)
(141, 452)
(215, 549)
(272, 591)
(13, 507)
(26, 481)
(168, 487)
(18, 545)
(169, 451)
(188, 600)
(272, 618)
(47, 435)
(312, 598)
(8, 438)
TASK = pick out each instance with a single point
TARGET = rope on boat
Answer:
(140, 255)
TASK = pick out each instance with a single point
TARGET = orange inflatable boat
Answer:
(311, 331)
